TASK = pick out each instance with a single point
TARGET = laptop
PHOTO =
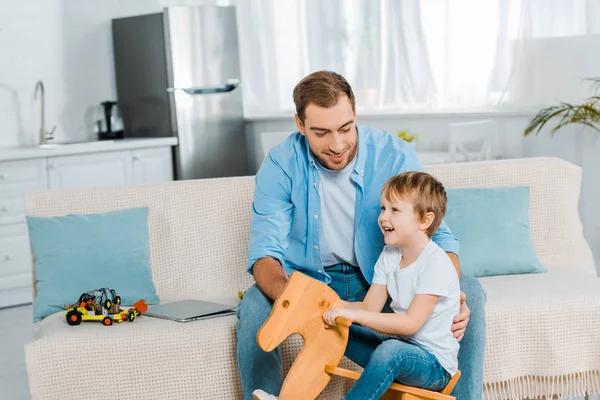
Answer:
(190, 310)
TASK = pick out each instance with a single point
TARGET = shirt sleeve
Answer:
(271, 214)
(435, 275)
(381, 270)
(443, 236)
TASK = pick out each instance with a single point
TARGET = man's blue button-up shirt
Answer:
(286, 199)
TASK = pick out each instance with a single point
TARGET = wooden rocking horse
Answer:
(300, 310)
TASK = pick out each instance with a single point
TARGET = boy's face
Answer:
(399, 222)
(331, 133)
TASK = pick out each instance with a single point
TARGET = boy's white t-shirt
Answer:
(432, 273)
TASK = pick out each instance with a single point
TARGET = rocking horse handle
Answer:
(343, 321)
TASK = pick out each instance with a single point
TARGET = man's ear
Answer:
(299, 124)
(427, 220)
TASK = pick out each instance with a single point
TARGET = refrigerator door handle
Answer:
(222, 88)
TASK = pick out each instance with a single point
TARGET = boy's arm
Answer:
(391, 323)
(374, 300)
(270, 228)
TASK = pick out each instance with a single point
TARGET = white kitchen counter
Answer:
(23, 153)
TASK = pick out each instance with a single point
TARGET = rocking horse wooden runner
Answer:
(300, 310)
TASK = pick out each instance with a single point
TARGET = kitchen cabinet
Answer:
(90, 170)
(152, 165)
(15, 265)
(17, 178)
(120, 167)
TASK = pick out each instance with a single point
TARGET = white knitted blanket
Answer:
(543, 330)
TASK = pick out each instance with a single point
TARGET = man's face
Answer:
(331, 133)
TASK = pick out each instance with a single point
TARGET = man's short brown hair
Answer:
(322, 88)
(423, 191)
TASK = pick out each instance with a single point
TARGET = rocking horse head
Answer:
(300, 310)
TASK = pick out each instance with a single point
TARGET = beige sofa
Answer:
(543, 329)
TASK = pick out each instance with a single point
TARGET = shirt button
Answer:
(315, 184)
(320, 271)
(316, 216)
(316, 247)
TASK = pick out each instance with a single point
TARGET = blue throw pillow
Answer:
(492, 226)
(77, 253)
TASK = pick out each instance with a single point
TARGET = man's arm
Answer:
(455, 262)
(459, 325)
(270, 228)
(270, 277)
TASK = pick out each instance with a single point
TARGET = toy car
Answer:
(102, 305)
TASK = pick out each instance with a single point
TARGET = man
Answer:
(315, 210)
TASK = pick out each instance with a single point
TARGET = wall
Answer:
(67, 45)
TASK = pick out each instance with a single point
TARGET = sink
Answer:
(54, 145)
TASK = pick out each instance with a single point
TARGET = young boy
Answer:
(413, 345)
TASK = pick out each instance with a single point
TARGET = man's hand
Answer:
(330, 315)
(462, 319)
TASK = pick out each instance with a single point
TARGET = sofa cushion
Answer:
(492, 226)
(77, 253)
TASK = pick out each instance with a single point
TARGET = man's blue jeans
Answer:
(260, 370)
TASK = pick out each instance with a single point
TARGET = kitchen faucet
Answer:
(44, 136)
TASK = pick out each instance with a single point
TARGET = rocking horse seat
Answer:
(399, 391)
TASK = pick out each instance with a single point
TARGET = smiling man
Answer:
(315, 210)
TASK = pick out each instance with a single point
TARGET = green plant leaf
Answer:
(586, 113)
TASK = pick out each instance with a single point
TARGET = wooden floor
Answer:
(15, 330)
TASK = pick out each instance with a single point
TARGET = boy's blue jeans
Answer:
(260, 370)
(386, 359)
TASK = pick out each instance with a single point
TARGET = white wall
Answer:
(66, 44)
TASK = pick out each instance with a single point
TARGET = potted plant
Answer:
(586, 113)
(409, 137)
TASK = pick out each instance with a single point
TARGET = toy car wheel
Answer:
(118, 300)
(130, 316)
(73, 317)
(107, 304)
(107, 321)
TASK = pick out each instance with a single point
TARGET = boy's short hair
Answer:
(322, 88)
(423, 191)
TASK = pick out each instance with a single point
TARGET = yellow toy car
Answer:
(102, 305)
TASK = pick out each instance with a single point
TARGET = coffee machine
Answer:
(108, 121)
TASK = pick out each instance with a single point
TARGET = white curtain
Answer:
(428, 54)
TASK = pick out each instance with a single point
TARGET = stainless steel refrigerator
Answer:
(178, 74)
